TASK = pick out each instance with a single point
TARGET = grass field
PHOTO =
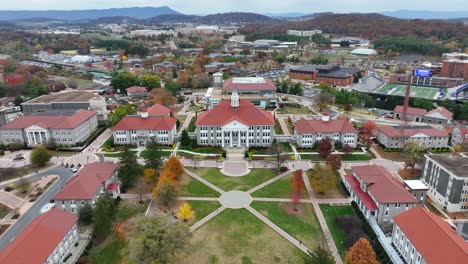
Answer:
(80, 82)
(416, 91)
(301, 224)
(353, 157)
(331, 213)
(202, 209)
(109, 253)
(287, 109)
(236, 236)
(190, 187)
(279, 189)
(244, 183)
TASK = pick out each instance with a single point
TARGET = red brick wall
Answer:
(335, 81)
(303, 76)
(455, 69)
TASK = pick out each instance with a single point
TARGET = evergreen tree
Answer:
(129, 169)
(153, 155)
(184, 139)
(104, 214)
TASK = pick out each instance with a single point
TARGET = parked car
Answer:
(74, 170)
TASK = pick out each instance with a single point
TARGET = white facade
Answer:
(425, 140)
(140, 137)
(64, 247)
(404, 246)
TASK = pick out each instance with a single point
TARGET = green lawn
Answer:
(416, 91)
(127, 209)
(201, 149)
(302, 225)
(331, 213)
(109, 253)
(202, 209)
(236, 236)
(226, 183)
(353, 157)
(144, 153)
(278, 129)
(279, 189)
(190, 187)
(288, 109)
(387, 87)
(337, 191)
(82, 83)
(4, 210)
(114, 155)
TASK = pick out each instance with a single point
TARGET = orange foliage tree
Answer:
(334, 161)
(174, 165)
(361, 253)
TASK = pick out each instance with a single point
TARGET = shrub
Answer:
(284, 169)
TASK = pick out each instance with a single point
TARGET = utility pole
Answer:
(407, 97)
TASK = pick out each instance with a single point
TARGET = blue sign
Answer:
(422, 73)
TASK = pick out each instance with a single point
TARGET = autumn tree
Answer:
(166, 190)
(120, 112)
(185, 212)
(174, 165)
(297, 182)
(347, 149)
(149, 174)
(325, 147)
(412, 153)
(368, 131)
(40, 156)
(361, 253)
(334, 161)
(323, 178)
(157, 240)
(163, 97)
(319, 256)
(151, 81)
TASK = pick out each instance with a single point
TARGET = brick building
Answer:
(327, 74)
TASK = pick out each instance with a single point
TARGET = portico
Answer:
(235, 134)
(36, 135)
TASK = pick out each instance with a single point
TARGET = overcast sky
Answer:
(257, 6)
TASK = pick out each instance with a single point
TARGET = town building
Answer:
(235, 123)
(137, 92)
(378, 194)
(308, 132)
(460, 137)
(420, 236)
(413, 114)
(48, 239)
(455, 65)
(258, 90)
(328, 74)
(68, 100)
(164, 67)
(152, 123)
(86, 186)
(396, 137)
(62, 128)
(447, 179)
(303, 33)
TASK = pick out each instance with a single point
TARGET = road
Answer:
(35, 210)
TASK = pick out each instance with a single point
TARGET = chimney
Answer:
(144, 114)
(325, 117)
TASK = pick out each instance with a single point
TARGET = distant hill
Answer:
(412, 14)
(116, 20)
(173, 18)
(369, 26)
(67, 15)
(235, 17)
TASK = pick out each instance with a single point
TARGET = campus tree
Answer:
(23, 185)
(153, 155)
(347, 149)
(166, 190)
(149, 174)
(157, 240)
(276, 150)
(120, 112)
(334, 161)
(325, 147)
(40, 156)
(297, 182)
(129, 169)
(151, 81)
(323, 178)
(368, 130)
(85, 215)
(174, 165)
(184, 138)
(122, 81)
(361, 253)
(322, 100)
(412, 153)
(104, 214)
(185, 212)
(319, 256)
(163, 97)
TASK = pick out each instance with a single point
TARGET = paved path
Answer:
(207, 183)
(270, 181)
(10, 199)
(279, 200)
(283, 125)
(335, 201)
(94, 147)
(206, 219)
(321, 218)
(280, 231)
(210, 199)
(186, 122)
(235, 168)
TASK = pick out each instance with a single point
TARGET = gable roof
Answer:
(39, 239)
(136, 89)
(249, 84)
(303, 126)
(87, 183)
(51, 120)
(433, 238)
(440, 112)
(382, 185)
(246, 114)
(463, 132)
(409, 131)
(411, 110)
(158, 110)
(149, 123)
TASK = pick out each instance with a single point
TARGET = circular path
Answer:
(235, 168)
(235, 199)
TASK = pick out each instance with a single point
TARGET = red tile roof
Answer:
(136, 89)
(382, 185)
(39, 239)
(149, 123)
(87, 183)
(319, 126)
(112, 186)
(463, 133)
(440, 111)
(158, 110)
(242, 84)
(51, 121)
(409, 131)
(363, 196)
(432, 237)
(411, 110)
(246, 114)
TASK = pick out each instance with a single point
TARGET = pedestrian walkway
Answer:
(279, 200)
(206, 219)
(321, 218)
(208, 199)
(235, 168)
(270, 181)
(280, 231)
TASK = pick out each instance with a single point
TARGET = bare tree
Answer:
(322, 100)
(278, 153)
